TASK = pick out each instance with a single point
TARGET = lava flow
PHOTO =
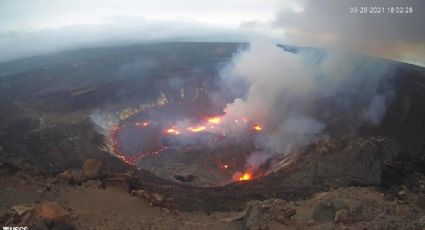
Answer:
(173, 131)
(245, 176)
(258, 128)
(135, 141)
(210, 124)
(214, 120)
(197, 129)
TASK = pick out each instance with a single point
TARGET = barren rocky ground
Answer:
(33, 199)
(56, 171)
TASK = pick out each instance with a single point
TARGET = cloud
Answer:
(329, 23)
(121, 31)
(43, 26)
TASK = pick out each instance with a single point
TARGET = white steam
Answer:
(256, 159)
(271, 72)
(104, 121)
(296, 96)
(376, 109)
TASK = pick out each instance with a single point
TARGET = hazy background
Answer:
(31, 27)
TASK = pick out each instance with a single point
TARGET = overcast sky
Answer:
(31, 27)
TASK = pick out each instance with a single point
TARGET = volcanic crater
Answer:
(183, 141)
(146, 107)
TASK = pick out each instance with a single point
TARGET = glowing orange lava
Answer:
(258, 128)
(245, 176)
(213, 124)
(197, 129)
(214, 120)
(142, 124)
(173, 131)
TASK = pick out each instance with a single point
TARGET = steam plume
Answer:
(301, 96)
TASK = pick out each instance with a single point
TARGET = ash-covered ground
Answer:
(86, 135)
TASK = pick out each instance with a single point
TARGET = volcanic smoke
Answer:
(288, 90)
(289, 102)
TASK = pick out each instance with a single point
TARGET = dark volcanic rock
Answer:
(187, 178)
(343, 216)
(45, 215)
(71, 176)
(355, 161)
(322, 214)
(117, 182)
(97, 184)
(260, 214)
(52, 212)
(66, 176)
(92, 168)
(324, 211)
(125, 181)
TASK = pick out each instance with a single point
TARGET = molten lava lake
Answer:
(199, 151)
